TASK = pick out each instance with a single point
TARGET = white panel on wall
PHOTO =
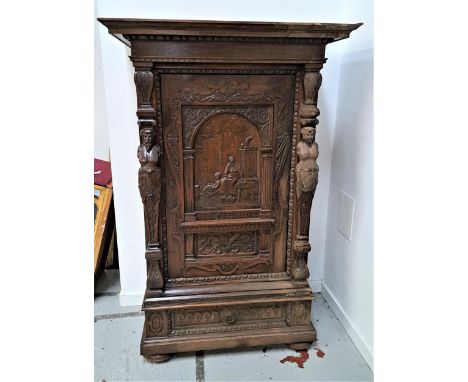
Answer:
(344, 224)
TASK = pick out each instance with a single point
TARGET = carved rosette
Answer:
(229, 316)
(298, 313)
(149, 173)
(156, 324)
(306, 171)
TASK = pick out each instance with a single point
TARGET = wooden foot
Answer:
(158, 358)
(300, 346)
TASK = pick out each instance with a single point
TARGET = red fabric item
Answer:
(102, 173)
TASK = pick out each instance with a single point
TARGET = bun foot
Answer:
(158, 358)
(298, 346)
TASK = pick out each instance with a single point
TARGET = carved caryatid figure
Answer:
(306, 171)
(149, 180)
(306, 183)
(306, 177)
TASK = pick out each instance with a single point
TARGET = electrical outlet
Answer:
(345, 215)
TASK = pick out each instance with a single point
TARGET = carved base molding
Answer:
(261, 337)
(176, 324)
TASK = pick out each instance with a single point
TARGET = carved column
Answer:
(306, 169)
(149, 174)
(265, 175)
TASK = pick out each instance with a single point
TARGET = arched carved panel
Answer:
(227, 163)
(194, 117)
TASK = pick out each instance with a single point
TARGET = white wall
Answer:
(344, 136)
(348, 265)
(120, 105)
(101, 135)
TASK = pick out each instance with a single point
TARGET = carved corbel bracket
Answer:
(154, 278)
(146, 123)
(144, 83)
(306, 171)
(308, 110)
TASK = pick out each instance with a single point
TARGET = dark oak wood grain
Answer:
(227, 113)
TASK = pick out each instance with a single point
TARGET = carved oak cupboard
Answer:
(227, 113)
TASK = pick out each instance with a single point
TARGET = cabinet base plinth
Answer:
(218, 322)
(181, 345)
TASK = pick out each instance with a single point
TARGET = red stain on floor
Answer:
(320, 353)
(299, 360)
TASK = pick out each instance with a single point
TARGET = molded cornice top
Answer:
(130, 29)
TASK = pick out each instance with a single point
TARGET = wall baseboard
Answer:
(131, 299)
(348, 326)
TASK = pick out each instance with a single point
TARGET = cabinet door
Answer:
(227, 154)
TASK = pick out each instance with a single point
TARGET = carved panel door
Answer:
(227, 145)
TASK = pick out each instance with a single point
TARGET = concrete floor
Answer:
(117, 333)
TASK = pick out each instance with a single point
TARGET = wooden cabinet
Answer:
(227, 113)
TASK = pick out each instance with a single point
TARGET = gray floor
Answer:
(117, 332)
